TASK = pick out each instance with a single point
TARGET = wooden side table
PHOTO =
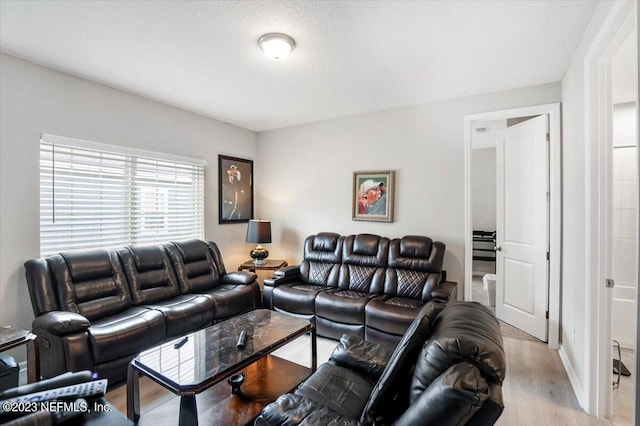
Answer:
(11, 338)
(270, 265)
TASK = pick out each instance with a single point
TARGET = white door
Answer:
(522, 226)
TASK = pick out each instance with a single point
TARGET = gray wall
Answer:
(306, 171)
(34, 99)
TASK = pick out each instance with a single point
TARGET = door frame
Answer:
(555, 204)
(620, 22)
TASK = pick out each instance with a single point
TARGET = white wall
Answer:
(306, 172)
(34, 99)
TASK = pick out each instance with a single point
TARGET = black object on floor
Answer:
(619, 366)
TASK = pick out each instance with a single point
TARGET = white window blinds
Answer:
(102, 196)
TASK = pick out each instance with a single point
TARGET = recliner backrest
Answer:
(322, 259)
(149, 272)
(90, 283)
(363, 262)
(194, 264)
(390, 396)
(414, 267)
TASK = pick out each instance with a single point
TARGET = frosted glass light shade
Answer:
(276, 46)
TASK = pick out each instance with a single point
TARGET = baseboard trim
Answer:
(573, 377)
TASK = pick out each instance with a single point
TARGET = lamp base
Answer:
(259, 255)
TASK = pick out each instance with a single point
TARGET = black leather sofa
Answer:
(364, 285)
(448, 369)
(97, 309)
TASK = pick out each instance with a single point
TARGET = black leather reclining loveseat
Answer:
(97, 309)
(364, 285)
(448, 369)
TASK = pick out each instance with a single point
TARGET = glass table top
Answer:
(205, 357)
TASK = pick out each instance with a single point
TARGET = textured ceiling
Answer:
(351, 57)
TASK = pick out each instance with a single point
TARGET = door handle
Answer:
(497, 248)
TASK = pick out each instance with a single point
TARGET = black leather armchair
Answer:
(447, 369)
(97, 309)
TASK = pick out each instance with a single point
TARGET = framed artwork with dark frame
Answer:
(373, 195)
(235, 189)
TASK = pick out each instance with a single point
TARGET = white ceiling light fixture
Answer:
(276, 45)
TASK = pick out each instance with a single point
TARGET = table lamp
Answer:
(259, 231)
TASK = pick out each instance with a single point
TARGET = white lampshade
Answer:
(276, 46)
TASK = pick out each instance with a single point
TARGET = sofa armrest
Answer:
(61, 323)
(445, 291)
(284, 275)
(492, 408)
(291, 409)
(239, 278)
(455, 395)
(364, 357)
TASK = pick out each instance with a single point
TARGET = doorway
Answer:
(499, 119)
(623, 212)
(600, 200)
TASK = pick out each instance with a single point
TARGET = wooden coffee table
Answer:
(209, 356)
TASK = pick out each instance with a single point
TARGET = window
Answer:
(102, 196)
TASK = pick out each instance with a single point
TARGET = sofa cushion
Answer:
(321, 259)
(417, 253)
(194, 265)
(126, 333)
(90, 283)
(147, 257)
(292, 409)
(185, 313)
(192, 250)
(464, 331)
(150, 274)
(232, 299)
(366, 250)
(390, 395)
(340, 389)
(325, 247)
(391, 315)
(451, 399)
(364, 260)
(414, 267)
(296, 298)
(343, 306)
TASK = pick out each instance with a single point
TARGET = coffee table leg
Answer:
(314, 350)
(188, 410)
(133, 394)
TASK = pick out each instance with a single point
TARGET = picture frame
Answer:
(235, 190)
(373, 196)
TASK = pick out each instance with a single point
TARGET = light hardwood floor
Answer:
(536, 391)
(623, 396)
